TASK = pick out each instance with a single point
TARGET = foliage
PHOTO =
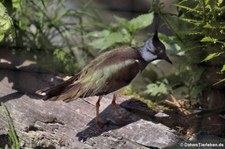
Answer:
(6, 24)
(65, 61)
(67, 34)
(14, 140)
(157, 89)
(131, 92)
(121, 32)
(49, 29)
(212, 56)
(109, 39)
(206, 29)
(198, 43)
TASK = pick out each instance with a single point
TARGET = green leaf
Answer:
(140, 22)
(1, 37)
(5, 20)
(219, 2)
(16, 4)
(212, 55)
(208, 26)
(108, 41)
(137, 23)
(213, 40)
(124, 22)
(98, 43)
(98, 34)
(6, 24)
(209, 39)
(191, 21)
(188, 8)
(223, 68)
(157, 89)
(209, 8)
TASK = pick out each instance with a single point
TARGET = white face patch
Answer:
(147, 51)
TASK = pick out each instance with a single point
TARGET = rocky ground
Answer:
(56, 125)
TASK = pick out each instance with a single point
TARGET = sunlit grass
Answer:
(13, 138)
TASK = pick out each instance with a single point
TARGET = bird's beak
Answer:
(168, 60)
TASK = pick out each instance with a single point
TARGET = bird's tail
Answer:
(51, 93)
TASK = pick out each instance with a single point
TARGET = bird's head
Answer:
(154, 49)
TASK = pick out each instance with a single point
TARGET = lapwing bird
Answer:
(107, 73)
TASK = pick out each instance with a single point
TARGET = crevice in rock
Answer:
(33, 128)
(51, 121)
(49, 147)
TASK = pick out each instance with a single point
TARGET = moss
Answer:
(128, 91)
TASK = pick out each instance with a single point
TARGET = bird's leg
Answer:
(97, 112)
(114, 105)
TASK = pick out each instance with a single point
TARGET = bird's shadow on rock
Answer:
(111, 118)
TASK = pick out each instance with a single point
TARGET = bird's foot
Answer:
(101, 125)
(120, 116)
(123, 117)
(115, 107)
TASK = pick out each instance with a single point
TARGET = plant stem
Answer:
(12, 132)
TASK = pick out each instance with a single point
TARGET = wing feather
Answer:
(107, 73)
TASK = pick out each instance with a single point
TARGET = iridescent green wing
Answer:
(109, 78)
(105, 74)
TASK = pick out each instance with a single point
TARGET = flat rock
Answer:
(50, 124)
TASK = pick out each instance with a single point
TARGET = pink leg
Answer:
(114, 105)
